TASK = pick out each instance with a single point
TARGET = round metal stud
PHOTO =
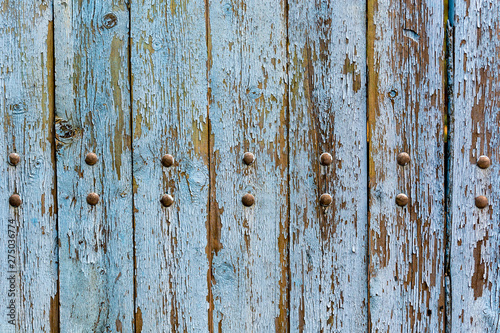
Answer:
(481, 202)
(167, 200)
(91, 159)
(325, 200)
(401, 199)
(248, 200)
(92, 199)
(326, 159)
(483, 162)
(167, 160)
(15, 200)
(403, 158)
(248, 158)
(14, 159)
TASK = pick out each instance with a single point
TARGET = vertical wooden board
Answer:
(28, 252)
(248, 113)
(328, 276)
(169, 68)
(406, 107)
(475, 131)
(93, 115)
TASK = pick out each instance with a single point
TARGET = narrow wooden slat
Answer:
(169, 68)
(93, 115)
(248, 113)
(28, 252)
(475, 131)
(327, 51)
(406, 107)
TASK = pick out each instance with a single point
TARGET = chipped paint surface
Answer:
(169, 68)
(26, 116)
(475, 131)
(327, 92)
(406, 113)
(93, 110)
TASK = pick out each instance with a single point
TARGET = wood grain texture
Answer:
(475, 131)
(247, 79)
(169, 68)
(328, 276)
(406, 107)
(28, 251)
(93, 115)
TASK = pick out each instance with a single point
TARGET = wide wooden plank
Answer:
(475, 132)
(248, 113)
(28, 250)
(406, 107)
(93, 115)
(169, 69)
(328, 245)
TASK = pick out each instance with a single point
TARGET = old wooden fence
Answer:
(250, 166)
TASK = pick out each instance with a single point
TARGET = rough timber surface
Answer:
(327, 56)
(93, 115)
(475, 131)
(169, 69)
(406, 99)
(28, 251)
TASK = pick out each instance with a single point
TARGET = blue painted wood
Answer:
(327, 91)
(169, 59)
(93, 115)
(28, 271)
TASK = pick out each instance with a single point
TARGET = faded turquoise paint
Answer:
(26, 113)
(93, 115)
(169, 59)
(327, 91)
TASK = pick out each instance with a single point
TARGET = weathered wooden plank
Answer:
(248, 113)
(93, 115)
(475, 131)
(327, 51)
(406, 107)
(28, 252)
(169, 68)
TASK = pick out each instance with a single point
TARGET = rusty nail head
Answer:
(401, 199)
(167, 160)
(248, 158)
(15, 200)
(325, 200)
(110, 20)
(248, 200)
(92, 199)
(483, 162)
(326, 159)
(14, 158)
(91, 159)
(167, 200)
(403, 158)
(481, 202)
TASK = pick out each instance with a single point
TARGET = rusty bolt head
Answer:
(481, 202)
(248, 200)
(401, 199)
(326, 159)
(403, 158)
(14, 158)
(15, 200)
(167, 200)
(248, 158)
(325, 200)
(483, 162)
(91, 159)
(109, 20)
(167, 160)
(92, 199)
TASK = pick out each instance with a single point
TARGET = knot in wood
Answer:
(110, 20)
